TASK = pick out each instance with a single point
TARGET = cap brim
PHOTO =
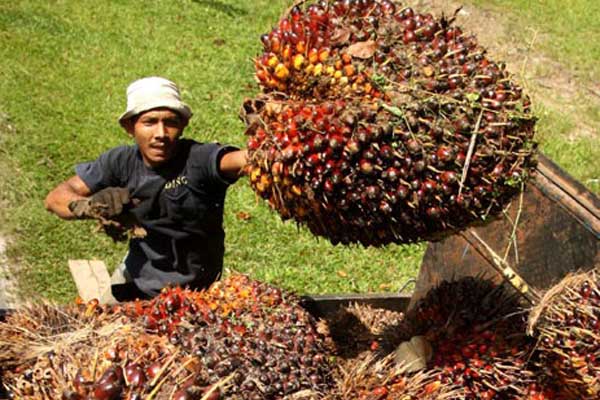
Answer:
(179, 107)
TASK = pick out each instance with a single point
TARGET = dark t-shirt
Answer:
(181, 209)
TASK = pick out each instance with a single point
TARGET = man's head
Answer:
(155, 118)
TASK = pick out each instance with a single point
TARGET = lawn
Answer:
(65, 66)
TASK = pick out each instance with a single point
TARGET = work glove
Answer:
(106, 203)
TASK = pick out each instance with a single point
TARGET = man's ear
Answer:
(128, 125)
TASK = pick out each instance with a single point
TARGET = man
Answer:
(173, 187)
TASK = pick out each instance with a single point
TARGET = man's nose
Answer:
(161, 130)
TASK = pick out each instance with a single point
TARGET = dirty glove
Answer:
(107, 203)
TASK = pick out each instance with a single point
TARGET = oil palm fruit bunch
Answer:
(240, 329)
(377, 124)
(478, 338)
(566, 324)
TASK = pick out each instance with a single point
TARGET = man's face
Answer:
(156, 133)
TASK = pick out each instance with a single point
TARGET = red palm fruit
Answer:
(334, 93)
(134, 375)
(366, 167)
(108, 390)
(153, 369)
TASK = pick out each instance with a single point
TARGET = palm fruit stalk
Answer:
(377, 124)
(477, 331)
(566, 324)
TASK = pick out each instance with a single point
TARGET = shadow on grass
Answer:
(224, 8)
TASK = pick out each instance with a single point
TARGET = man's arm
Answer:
(57, 201)
(232, 164)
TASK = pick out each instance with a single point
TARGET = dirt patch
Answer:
(547, 81)
(8, 289)
(8, 285)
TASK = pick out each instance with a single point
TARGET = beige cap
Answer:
(153, 92)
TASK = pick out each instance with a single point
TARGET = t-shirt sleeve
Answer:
(107, 170)
(204, 165)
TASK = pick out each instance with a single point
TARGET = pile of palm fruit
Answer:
(242, 339)
(378, 124)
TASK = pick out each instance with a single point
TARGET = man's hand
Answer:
(106, 203)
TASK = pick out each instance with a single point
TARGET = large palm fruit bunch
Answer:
(566, 324)
(478, 336)
(240, 339)
(379, 124)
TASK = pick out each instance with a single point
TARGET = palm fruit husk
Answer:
(478, 334)
(566, 324)
(359, 328)
(378, 124)
(373, 378)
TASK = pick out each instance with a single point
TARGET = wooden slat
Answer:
(101, 274)
(91, 278)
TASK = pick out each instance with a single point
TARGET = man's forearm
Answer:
(233, 163)
(58, 200)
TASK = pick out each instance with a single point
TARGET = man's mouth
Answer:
(159, 147)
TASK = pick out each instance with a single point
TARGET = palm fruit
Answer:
(377, 124)
(477, 333)
(566, 324)
(77, 352)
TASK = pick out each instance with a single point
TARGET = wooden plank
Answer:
(101, 274)
(91, 278)
(323, 306)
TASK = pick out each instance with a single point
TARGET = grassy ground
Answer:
(563, 73)
(64, 69)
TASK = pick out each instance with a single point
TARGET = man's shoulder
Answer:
(200, 148)
(121, 153)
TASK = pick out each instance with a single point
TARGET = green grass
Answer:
(65, 66)
(564, 32)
